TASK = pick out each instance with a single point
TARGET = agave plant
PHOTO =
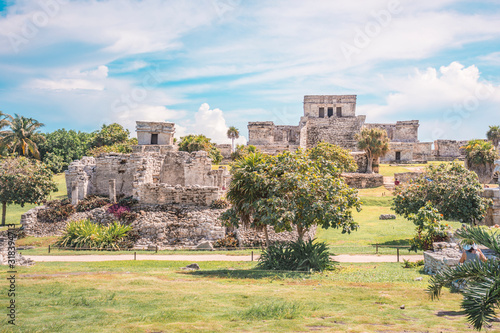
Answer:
(481, 291)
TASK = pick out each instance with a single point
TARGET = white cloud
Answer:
(209, 122)
(74, 80)
(452, 102)
(127, 118)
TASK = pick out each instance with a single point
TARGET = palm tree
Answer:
(481, 294)
(22, 135)
(374, 142)
(233, 133)
(493, 135)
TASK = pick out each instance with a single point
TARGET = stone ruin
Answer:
(174, 190)
(333, 119)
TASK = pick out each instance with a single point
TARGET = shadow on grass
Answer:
(450, 313)
(248, 274)
(396, 242)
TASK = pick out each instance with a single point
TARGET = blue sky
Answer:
(210, 64)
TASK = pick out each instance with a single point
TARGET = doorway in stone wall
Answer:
(154, 139)
(398, 156)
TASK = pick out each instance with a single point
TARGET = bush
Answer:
(86, 234)
(296, 256)
(409, 264)
(56, 211)
(229, 241)
(91, 202)
(123, 213)
(219, 204)
(429, 228)
(128, 202)
(480, 152)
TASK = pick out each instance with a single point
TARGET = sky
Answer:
(210, 64)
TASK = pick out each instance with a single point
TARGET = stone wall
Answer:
(251, 237)
(361, 161)
(483, 171)
(346, 103)
(492, 216)
(401, 150)
(338, 131)
(447, 149)
(151, 194)
(225, 150)
(260, 133)
(7, 244)
(422, 151)
(406, 131)
(163, 131)
(406, 177)
(389, 128)
(444, 255)
(363, 180)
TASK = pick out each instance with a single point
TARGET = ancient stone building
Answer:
(154, 173)
(333, 119)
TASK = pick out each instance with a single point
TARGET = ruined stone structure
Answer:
(333, 119)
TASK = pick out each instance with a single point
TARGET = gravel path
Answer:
(212, 257)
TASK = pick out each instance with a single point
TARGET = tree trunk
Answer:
(369, 166)
(232, 145)
(267, 236)
(4, 212)
(300, 231)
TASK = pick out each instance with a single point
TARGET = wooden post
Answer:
(156, 249)
(135, 258)
(112, 190)
(398, 253)
(252, 255)
(376, 248)
(49, 248)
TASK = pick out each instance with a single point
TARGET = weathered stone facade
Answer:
(332, 118)
(363, 180)
(155, 133)
(492, 216)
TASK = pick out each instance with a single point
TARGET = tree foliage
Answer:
(481, 291)
(242, 150)
(62, 147)
(22, 135)
(429, 228)
(452, 189)
(290, 190)
(340, 157)
(109, 135)
(480, 152)
(493, 135)
(374, 142)
(23, 181)
(191, 143)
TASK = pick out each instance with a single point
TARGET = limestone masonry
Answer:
(332, 118)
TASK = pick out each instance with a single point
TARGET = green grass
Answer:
(389, 170)
(148, 296)
(376, 201)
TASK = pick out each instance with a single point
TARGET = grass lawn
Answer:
(146, 296)
(376, 201)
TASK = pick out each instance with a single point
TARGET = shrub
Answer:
(409, 264)
(219, 204)
(86, 234)
(56, 211)
(296, 256)
(229, 241)
(117, 210)
(91, 202)
(480, 152)
(128, 202)
(429, 228)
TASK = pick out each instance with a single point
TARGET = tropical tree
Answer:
(374, 142)
(199, 142)
(23, 181)
(452, 189)
(233, 133)
(242, 150)
(493, 135)
(22, 135)
(481, 291)
(4, 122)
(109, 135)
(342, 158)
(290, 191)
(62, 147)
(480, 152)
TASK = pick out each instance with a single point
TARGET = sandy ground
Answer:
(213, 257)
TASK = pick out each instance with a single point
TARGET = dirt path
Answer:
(212, 257)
